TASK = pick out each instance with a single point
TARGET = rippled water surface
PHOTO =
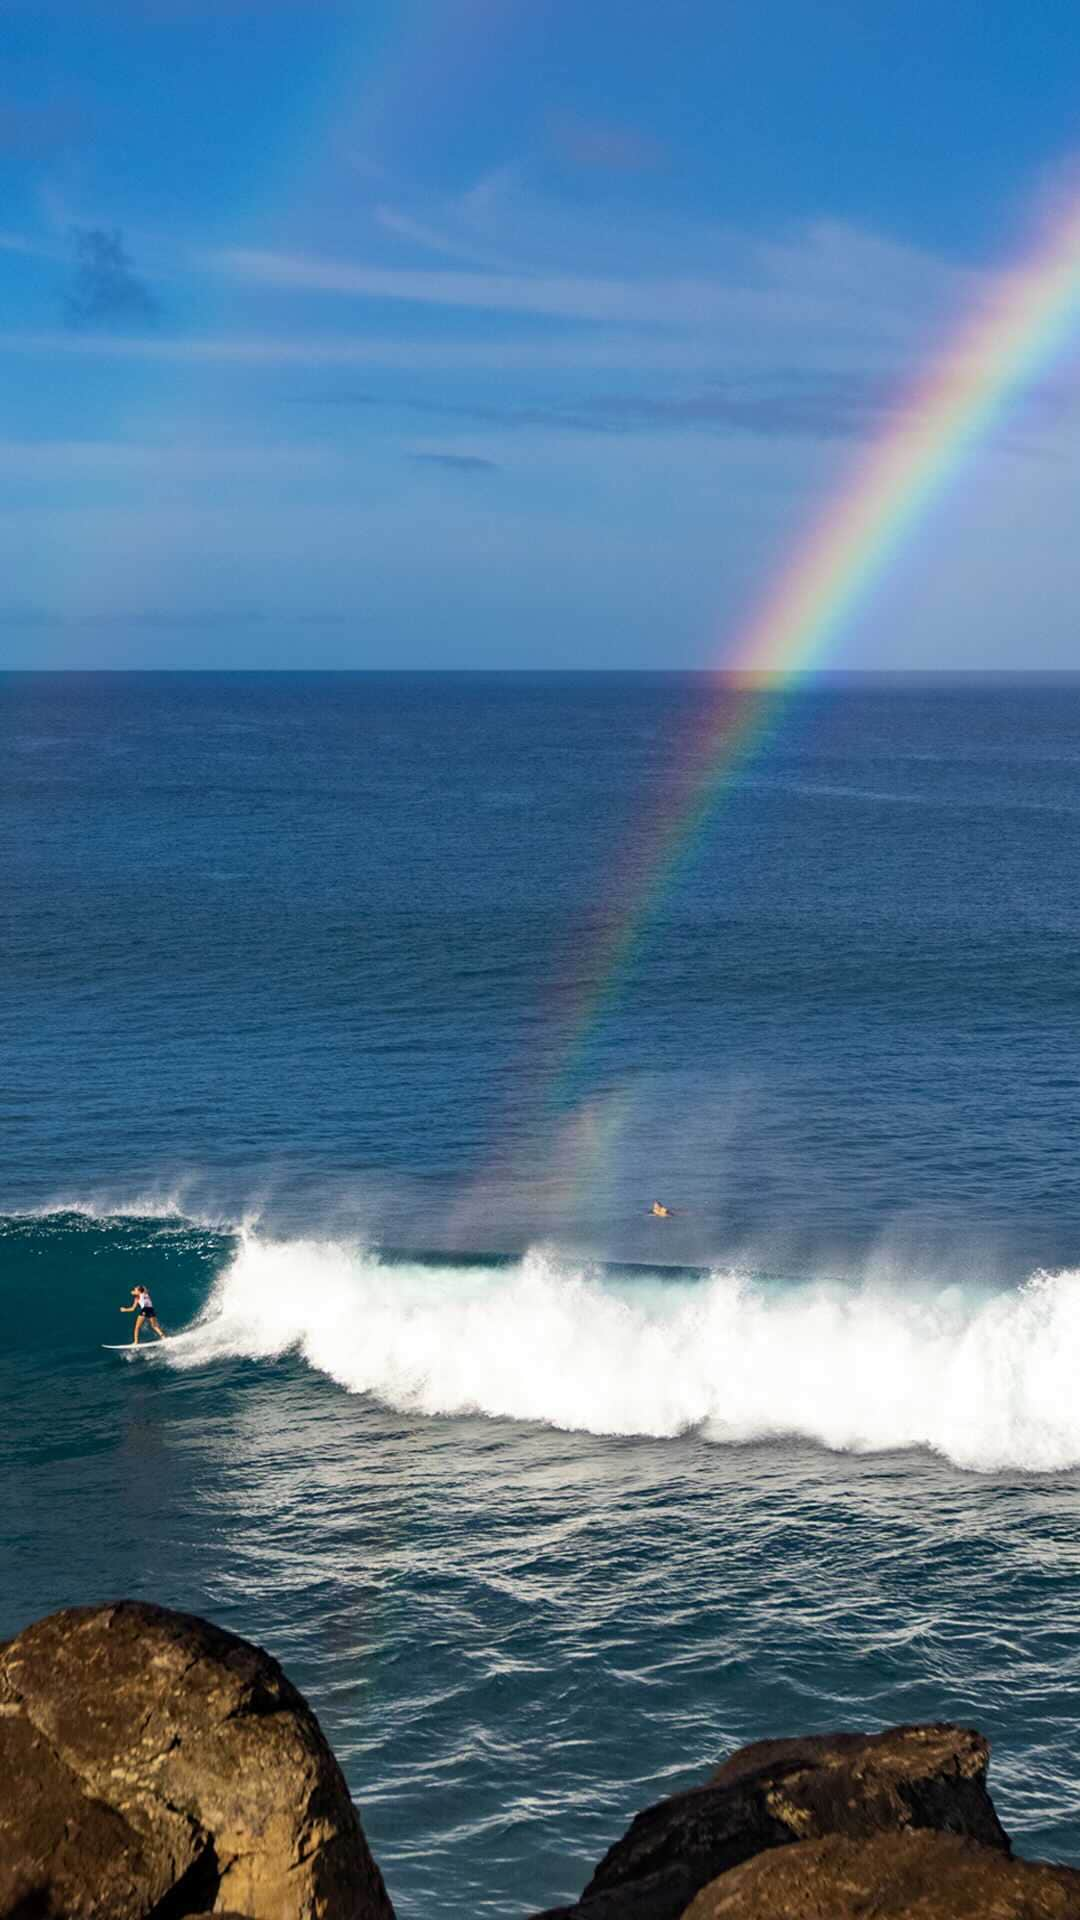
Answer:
(516, 1636)
(310, 1025)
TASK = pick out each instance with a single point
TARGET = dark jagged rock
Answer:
(894, 1876)
(154, 1767)
(779, 1792)
(918, 1776)
(166, 1768)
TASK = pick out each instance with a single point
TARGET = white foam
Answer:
(986, 1378)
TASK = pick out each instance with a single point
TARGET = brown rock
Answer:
(895, 1876)
(781, 1791)
(154, 1765)
(928, 1776)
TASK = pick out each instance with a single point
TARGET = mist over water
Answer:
(548, 1505)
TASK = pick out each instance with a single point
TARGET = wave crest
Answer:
(985, 1378)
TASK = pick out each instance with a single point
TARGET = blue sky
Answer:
(510, 332)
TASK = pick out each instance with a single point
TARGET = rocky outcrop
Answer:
(153, 1767)
(894, 1876)
(778, 1793)
(166, 1768)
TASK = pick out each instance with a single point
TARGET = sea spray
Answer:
(985, 1377)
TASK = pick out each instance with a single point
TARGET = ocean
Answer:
(311, 1023)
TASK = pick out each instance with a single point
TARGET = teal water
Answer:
(543, 1511)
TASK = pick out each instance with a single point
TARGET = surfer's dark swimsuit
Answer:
(146, 1311)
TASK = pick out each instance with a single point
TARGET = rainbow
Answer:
(1022, 320)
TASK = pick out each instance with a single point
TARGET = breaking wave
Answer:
(984, 1377)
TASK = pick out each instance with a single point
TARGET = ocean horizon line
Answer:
(735, 677)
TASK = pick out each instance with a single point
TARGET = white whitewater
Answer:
(986, 1378)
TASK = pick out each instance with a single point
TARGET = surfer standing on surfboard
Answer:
(142, 1305)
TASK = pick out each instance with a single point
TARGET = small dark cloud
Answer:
(827, 408)
(105, 286)
(457, 462)
(838, 408)
(787, 406)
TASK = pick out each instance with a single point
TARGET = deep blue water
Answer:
(546, 1504)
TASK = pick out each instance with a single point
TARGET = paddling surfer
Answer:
(659, 1211)
(143, 1306)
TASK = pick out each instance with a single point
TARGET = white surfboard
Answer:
(129, 1346)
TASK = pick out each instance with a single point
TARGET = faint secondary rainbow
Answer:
(1025, 317)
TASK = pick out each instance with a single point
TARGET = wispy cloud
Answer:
(105, 287)
(562, 296)
(194, 459)
(433, 239)
(711, 352)
(491, 201)
(842, 406)
(598, 353)
(825, 278)
(825, 407)
(836, 407)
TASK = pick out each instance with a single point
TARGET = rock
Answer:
(158, 1768)
(782, 1791)
(895, 1876)
(928, 1776)
(166, 1768)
